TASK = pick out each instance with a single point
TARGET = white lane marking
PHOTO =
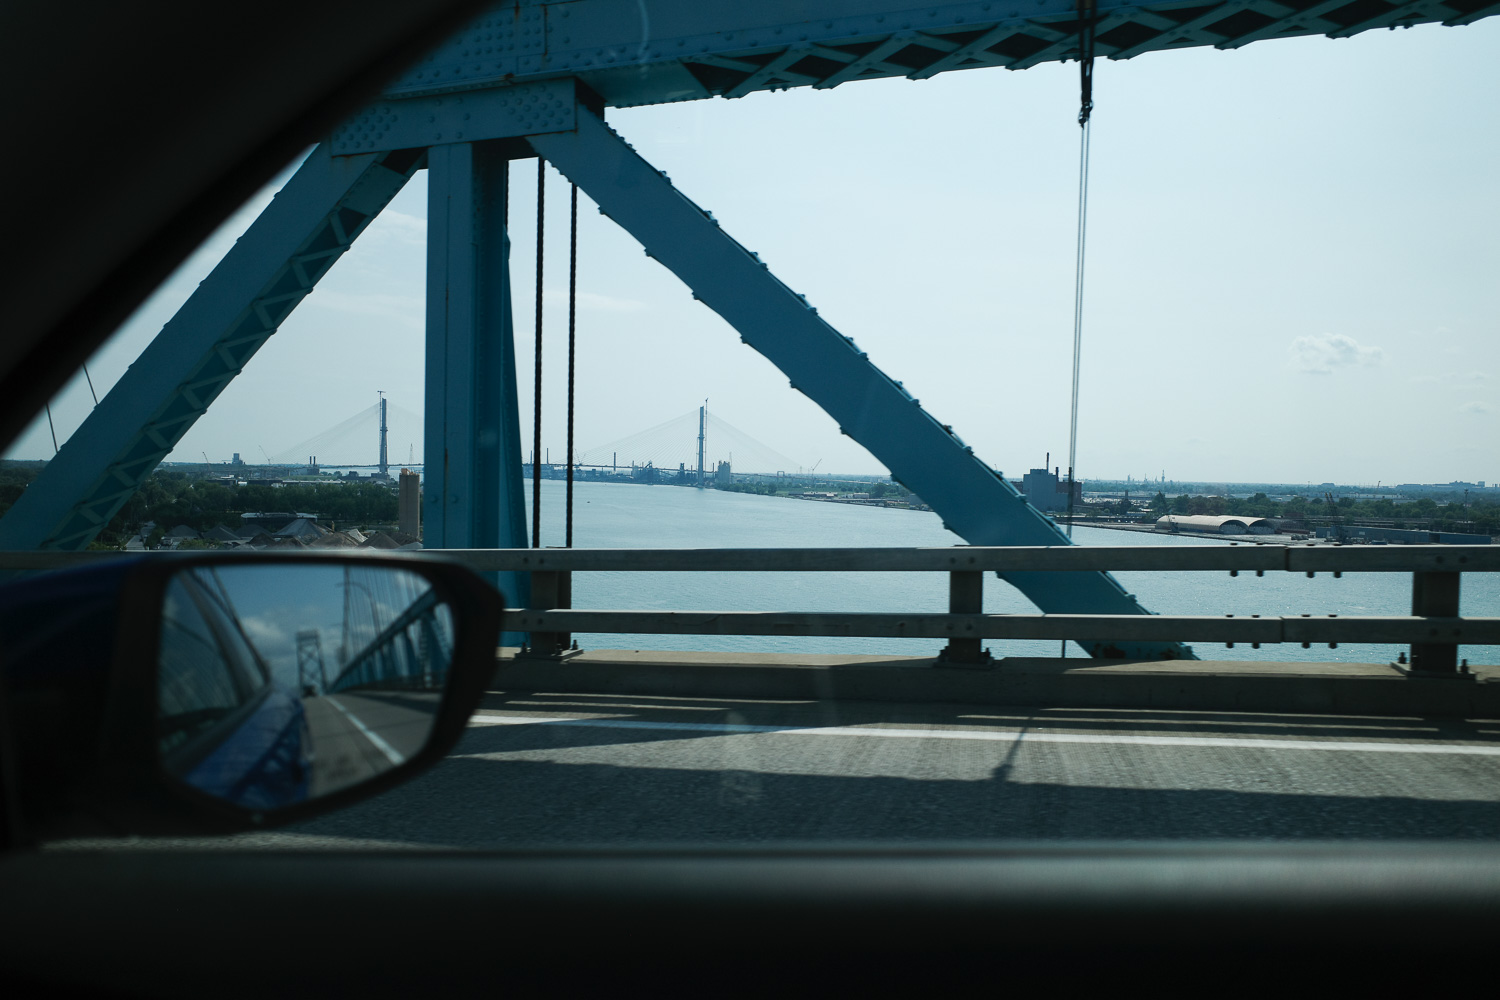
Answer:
(370, 734)
(996, 737)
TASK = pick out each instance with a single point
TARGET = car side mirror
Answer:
(239, 691)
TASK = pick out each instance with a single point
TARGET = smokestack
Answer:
(409, 504)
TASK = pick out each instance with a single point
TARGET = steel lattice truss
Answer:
(675, 50)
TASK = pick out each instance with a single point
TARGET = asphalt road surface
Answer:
(579, 769)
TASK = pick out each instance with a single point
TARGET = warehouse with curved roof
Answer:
(1217, 524)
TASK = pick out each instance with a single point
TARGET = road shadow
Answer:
(480, 803)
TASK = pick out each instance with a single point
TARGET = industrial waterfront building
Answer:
(1048, 491)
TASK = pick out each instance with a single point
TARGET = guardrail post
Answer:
(965, 597)
(550, 589)
(1434, 595)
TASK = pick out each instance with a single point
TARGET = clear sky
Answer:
(1292, 271)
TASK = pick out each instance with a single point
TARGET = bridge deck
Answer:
(618, 766)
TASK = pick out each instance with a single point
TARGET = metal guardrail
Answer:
(1017, 559)
(1433, 630)
(1252, 629)
(1235, 557)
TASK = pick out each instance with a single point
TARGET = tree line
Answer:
(171, 498)
(1482, 516)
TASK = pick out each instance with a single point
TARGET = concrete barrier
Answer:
(1332, 688)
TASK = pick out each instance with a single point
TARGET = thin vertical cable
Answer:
(1083, 210)
(1086, 24)
(536, 420)
(91, 385)
(51, 427)
(572, 348)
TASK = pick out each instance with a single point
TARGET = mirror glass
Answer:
(280, 683)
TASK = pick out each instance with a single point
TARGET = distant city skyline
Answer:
(1291, 271)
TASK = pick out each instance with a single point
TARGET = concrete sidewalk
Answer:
(1203, 685)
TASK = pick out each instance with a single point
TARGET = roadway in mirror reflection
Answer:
(356, 736)
(283, 682)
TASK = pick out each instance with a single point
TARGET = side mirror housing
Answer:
(217, 693)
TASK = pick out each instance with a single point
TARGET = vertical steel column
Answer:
(965, 597)
(550, 590)
(472, 495)
(1434, 595)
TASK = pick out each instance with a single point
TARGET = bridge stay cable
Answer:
(536, 420)
(1087, 18)
(1086, 21)
(572, 352)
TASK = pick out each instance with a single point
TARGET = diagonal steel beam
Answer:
(977, 51)
(290, 246)
(777, 68)
(924, 455)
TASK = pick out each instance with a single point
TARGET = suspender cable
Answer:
(52, 427)
(536, 419)
(91, 385)
(1086, 19)
(572, 348)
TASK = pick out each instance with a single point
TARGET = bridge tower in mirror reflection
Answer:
(311, 676)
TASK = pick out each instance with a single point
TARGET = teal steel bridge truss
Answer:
(535, 78)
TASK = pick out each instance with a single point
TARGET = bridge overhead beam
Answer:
(472, 490)
(635, 54)
(310, 223)
(926, 456)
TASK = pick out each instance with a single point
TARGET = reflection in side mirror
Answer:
(280, 684)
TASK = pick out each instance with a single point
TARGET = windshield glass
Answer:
(1285, 343)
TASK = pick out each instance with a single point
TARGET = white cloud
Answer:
(1321, 355)
(1474, 406)
(272, 639)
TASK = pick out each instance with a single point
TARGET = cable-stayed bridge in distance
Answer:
(359, 440)
(674, 446)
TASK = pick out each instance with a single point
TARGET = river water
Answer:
(617, 515)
